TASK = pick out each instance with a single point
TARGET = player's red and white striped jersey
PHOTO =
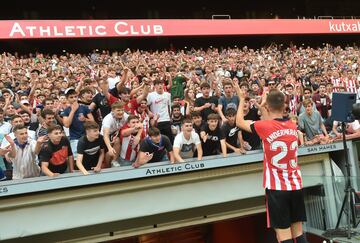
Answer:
(280, 141)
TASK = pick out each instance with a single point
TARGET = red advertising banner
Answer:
(41, 29)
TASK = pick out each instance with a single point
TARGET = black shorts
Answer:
(284, 208)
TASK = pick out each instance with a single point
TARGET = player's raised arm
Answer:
(240, 122)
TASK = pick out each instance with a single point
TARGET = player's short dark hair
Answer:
(276, 100)
(91, 125)
(153, 131)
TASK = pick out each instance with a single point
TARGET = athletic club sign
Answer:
(120, 28)
(42, 29)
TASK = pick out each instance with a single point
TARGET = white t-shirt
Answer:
(159, 104)
(355, 125)
(113, 124)
(187, 147)
(112, 82)
(5, 143)
(5, 128)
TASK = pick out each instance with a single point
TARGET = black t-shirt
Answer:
(56, 155)
(177, 124)
(33, 126)
(198, 128)
(114, 92)
(253, 139)
(84, 103)
(140, 78)
(158, 150)
(202, 101)
(231, 133)
(90, 151)
(102, 104)
(212, 144)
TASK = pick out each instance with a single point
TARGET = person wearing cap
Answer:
(74, 117)
(271, 84)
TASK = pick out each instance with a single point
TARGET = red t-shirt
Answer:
(131, 106)
(112, 99)
(280, 140)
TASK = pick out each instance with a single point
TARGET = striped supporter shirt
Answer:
(24, 163)
(280, 139)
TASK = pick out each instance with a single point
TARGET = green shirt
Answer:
(177, 88)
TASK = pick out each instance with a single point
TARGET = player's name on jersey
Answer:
(170, 169)
(322, 148)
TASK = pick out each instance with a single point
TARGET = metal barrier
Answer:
(39, 184)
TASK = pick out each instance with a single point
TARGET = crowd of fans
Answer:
(61, 113)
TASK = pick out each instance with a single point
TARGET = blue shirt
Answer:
(77, 127)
